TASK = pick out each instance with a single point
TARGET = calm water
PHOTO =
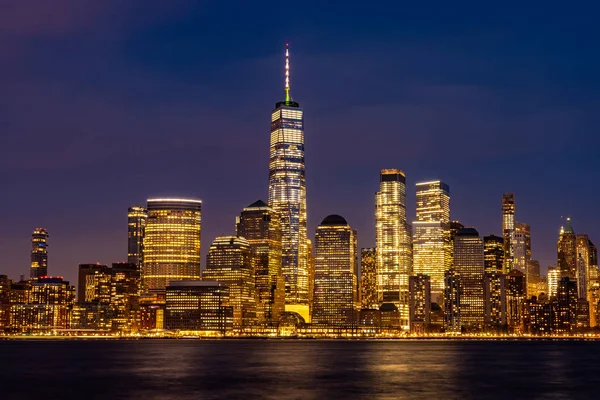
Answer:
(261, 369)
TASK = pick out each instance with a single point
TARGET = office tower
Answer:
(419, 295)
(261, 226)
(493, 252)
(455, 226)
(587, 267)
(229, 261)
(310, 264)
(125, 296)
(452, 302)
(287, 195)
(51, 299)
(136, 226)
(582, 315)
(431, 239)
(171, 242)
(469, 263)
(508, 227)
(554, 275)
(533, 278)
(198, 306)
(494, 289)
(567, 250)
(94, 284)
(39, 253)
(581, 277)
(538, 317)
(335, 296)
(368, 278)
(521, 245)
(566, 305)
(516, 289)
(393, 242)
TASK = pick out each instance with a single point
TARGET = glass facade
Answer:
(566, 247)
(508, 226)
(171, 242)
(229, 261)
(393, 242)
(287, 196)
(335, 298)
(368, 278)
(39, 253)
(494, 288)
(469, 264)
(493, 250)
(261, 226)
(136, 227)
(419, 289)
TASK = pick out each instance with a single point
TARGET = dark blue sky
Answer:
(104, 104)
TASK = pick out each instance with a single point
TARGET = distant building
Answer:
(171, 242)
(567, 250)
(553, 278)
(452, 302)
(261, 226)
(508, 227)
(521, 244)
(39, 253)
(136, 227)
(229, 261)
(469, 264)
(493, 250)
(94, 283)
(494, 284)
(368, 278)
(566, 305)
(198, 306)
(49, 304)
(516, 289)
(335, 298)
(419, 289)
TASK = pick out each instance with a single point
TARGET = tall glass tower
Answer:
(39, 253)
(393, 239)
(508, 228)
(136, 226)
(287, 195)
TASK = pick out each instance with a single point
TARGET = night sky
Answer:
(106, 103)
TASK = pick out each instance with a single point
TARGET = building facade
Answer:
(136, 227)
(493, 251)
(368, 278)
(171, 242)
(39, 253)
(335, 298)
(566, 247)
(419, 294)
(508, 227)
(469, 264)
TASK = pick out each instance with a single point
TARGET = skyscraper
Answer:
(493, 250)
(261, 226)
(494, 284)
(136, 226)
(516, 289)
(368, 278)
(39, 253)
(566, 247)
(229, 261)
(452, 302)
(287, 195)
(469, 264)
(393, 242)
(335, 298)
(431, 239)
(508, 227)
(171, 242)
(419, 289)
(553, 278)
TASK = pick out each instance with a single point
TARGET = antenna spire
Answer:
(287, 73)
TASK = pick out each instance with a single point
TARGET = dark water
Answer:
(261, 369)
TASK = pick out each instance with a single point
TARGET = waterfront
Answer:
(294, 369)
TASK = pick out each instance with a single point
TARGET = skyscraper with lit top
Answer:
(566, 247)
(431, 240)
(287, 195)
(393, 242)
(39, 253)
(171, 242)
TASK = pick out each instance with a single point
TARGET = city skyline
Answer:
(74, 186)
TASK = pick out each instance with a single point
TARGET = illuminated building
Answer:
(581, 277)
(431, 240)
(493, 252)
(587, 274)
(508, 227)
(39, 253)
(494, 289)
(419, 295)
(261, 226)
(368, 278)
(567, 250)
(49, 304)
(152, 310)
(455, 226)
(124, 296)
(171, 242)
(136, 226)
(538, 317)
(287, 196)
(393, 242)
(198, 306)
(94, 283)
(335, 298)
(452, 302)
(469, 264)
(515, 296)
(533, 278)
(369, 319)
(582, 315)
(5, 289)
(229, 261)
(521, 247)
(390, 317)
(552, 280)
(566, 305)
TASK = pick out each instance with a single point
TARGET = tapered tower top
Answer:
(288, 98)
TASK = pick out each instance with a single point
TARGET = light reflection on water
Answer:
(289, 369)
